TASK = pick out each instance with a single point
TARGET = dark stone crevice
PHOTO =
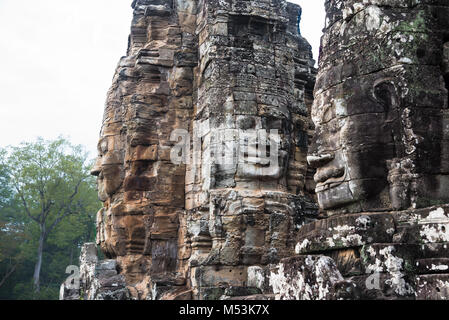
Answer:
(446, 83)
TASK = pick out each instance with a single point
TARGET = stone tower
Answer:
(202, 155)
(381, 155)
(225, 89)
(254, 72)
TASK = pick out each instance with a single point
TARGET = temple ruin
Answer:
(231, 168)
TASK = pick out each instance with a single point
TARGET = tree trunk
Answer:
(37, 268)
(7, 275)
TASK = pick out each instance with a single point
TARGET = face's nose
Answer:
(96, 169)
(320, 160)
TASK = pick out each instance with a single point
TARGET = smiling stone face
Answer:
(108, 167)
(355, 136)
(380, 108)
(246, 194)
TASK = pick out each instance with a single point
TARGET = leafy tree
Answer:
(11, 231)
(5, 188)
(55, 201)
(11, 237)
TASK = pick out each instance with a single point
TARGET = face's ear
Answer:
(386, 93)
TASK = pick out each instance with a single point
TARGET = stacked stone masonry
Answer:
(357, 206)
(380, 151)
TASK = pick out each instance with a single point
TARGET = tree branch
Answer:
(66, 208)
(8, 274)
(26, 206)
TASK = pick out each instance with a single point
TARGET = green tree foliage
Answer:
(47, 212)
(6, 193)
(12, 233)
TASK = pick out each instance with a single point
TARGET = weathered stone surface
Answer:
(68, 292)
(424, 226)
(379, 149)
(142, 223)
(98, 280)
(310, 278)
(217, 72)
(227, 89)
(346, 231)
(380, 107)
(258, 297)
(432, 287)
(435, 265)
(254, 73)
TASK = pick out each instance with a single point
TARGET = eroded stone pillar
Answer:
(141, 224)
(202, 156)
(380, 107)
(381, 151)
(246, 199)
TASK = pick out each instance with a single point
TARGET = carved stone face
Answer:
(261, 155)
(355, 136)
(378, 144)
(108, 167)
(380, 109)
(250, 228)
(257, 150)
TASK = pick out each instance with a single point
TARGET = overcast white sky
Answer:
(57, 59)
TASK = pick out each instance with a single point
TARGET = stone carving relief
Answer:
(228, 89)
(219, 72)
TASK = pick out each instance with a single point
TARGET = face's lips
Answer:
(321, 187)
(329, 173)
(328, 178)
